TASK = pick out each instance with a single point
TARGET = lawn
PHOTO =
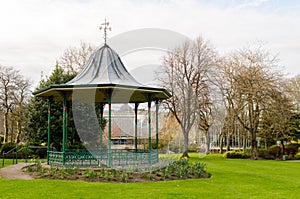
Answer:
(230, 179)
(9, 161)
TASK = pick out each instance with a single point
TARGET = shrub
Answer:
(32, 150)
(264, 153)
(291, 149)
(192, 150)
(297, 156)
(41, 153)
(7, 146)
(274, 151)
(235, 155)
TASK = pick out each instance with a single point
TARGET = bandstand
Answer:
(106, 79)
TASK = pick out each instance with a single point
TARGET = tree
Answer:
(21, 97)
(276, 119)
(37, 110)
(247, 80)
(75, 58)
(14, 91)
(205, 115)
(293, 91)
(186, 76)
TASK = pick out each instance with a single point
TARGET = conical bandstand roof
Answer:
(105, 73)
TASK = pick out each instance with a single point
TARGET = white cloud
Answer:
(34, 33)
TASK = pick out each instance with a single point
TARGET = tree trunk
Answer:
(221, 142)
(266, 144)
(5, 127)
(228, 142)
(186, 145)
(282, 148)
(244, 143)
(12, 130)
(254, 151)
(19, 130)
(207, 143)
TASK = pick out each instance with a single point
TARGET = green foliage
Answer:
(294, 126)
(192, 150)
(264, 153)
(297, 156)
(124, 177)
(37, 111)
(274, 151)
(291, 149)
(235, 155)
(90, 174)
(7, 147)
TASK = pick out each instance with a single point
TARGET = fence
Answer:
(115, 157)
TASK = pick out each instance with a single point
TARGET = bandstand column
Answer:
(64, 123)
(101, 128)
(156, 122)
(149, 123)
(109, 127)
(135, 125)
(49, 128)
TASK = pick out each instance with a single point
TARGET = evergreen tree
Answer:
(37, 110)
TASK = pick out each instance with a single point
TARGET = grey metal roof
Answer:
(104, 73)
(104, 67)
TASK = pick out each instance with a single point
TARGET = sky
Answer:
(35, 33)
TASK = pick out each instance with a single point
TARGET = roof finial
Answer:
(104, 26)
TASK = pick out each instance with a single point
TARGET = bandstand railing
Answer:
(117, 157)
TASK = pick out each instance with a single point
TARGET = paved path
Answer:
(15, 172)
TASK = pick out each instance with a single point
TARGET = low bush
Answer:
(235, 155)
(180, 169)
(192, 150)
(7, 147)
(265, 154)
(274, 151)
(291, 150)
(297, 156)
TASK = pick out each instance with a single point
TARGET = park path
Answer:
(15, 172)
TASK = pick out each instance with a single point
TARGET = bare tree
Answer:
(14, 89)
(75, 58)
(293, 90)
(247, 79)
(8, 76)
(205, 115)
(186, 75)
(21, 97)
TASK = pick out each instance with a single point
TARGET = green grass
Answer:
(9, 162)
(231, 178)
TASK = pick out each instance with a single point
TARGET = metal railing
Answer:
(14, 153)
(116, 157)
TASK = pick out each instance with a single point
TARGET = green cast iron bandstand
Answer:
(106, 79)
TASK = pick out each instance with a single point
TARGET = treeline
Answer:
(243, 91)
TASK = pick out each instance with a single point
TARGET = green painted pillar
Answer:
(156, 122)
(64, 122)
(67, 121)
(149, 124)
(109, 128)
(49, 128)
(101, 128)
(135, 126)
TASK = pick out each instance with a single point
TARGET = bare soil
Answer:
(103, 175)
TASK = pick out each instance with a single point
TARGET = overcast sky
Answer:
(34, 33)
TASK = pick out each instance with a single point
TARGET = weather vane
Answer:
(104, 27)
